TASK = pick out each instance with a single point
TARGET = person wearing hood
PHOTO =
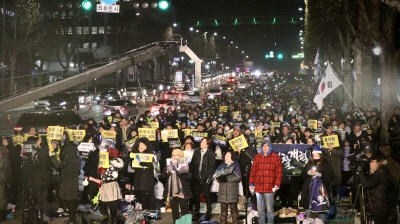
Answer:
(382, 188)
(228, 192)
(316, 167)
(143, 182)
(5, 176)
(69, 166)
(265, 178)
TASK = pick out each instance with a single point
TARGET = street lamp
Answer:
(377, 50)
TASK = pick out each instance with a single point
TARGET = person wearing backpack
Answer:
(382, 188)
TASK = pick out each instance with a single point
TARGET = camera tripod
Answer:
(360, 196)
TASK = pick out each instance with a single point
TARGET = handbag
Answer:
(215, 186)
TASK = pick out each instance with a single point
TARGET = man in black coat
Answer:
(202, 167)
(382, 188)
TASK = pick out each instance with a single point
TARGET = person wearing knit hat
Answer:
(316, 167)
(265, 180)
(382, 188)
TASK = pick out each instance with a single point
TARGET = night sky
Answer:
(255, 40)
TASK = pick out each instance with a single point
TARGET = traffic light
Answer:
(163, 4)
(87, 4)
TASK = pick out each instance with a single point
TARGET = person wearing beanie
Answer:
(316, 167)
(265, 178)
(382, 188)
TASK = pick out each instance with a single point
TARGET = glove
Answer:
(222, 179)
(142, 164)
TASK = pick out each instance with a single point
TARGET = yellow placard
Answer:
(104, 160)
(166, 134)
(140, 157)
(76, 134)
(198, 135)
(223, 109)
(227, 133)
(235, 115)
(117, 119)
(259, 136)
(187, 132)
(149, 133)
(55, 132)
(331, 141)
(155, 125)
(276, 124)
(238, 143)
(131, 142)
(107, 134)
(18, 140)
(313, 124)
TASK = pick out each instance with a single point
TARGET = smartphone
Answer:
(314, 168)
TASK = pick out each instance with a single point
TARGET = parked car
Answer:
(107, 95)
(174, 95)
(42, 119)
(85, 97)
(62, 101)
(154, 109)
(125, 107)
(42, 103)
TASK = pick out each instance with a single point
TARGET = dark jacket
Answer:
(144, 178)
(229, 192)
(207, 167)
(69, 168)
(185, 179)
(327, 176)
(382, 191)
(39, 170)
(246, 158)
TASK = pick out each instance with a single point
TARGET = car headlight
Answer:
(47, 103)
(134, 94)
(144, 91)
(169, 87)
(81, 98)
(63, 103)
(110, 98)
(124, 94)
(36, 103)
(97, 97)
(160, 87)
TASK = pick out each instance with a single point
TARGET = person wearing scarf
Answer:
(228, 176)
(177, 188)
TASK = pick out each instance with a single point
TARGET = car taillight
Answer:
(179, 96)
(122, 108)
(17, 128)
(165, 96)
(104, 108)
(231, 91)
(220, 87)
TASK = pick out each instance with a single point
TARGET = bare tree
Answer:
(27, 16)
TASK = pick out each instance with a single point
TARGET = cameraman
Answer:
(382, 188)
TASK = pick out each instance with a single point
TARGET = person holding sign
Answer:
(144, 181)
(316, 167)
(69, 166)
(177, 189)
(333, 152)
(265, 178)
(202, 168)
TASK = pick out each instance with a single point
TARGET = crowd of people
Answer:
(207, 166)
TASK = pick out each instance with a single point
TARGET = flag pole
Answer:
(350, 96)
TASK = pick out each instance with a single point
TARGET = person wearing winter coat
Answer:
(202, 167)
(177, 188)
(265, 179)
(334, 157)
(69, 166)
(228, 193)
(144, 177)
(316, 167)
(5, 177)
(382, 188)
